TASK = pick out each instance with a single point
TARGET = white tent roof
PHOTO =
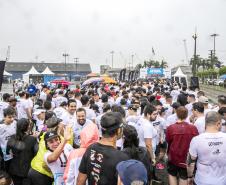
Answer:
(7, 74)
(179, 73)
(47, 71)
(32, 71)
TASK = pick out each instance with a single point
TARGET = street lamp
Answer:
(65, 55)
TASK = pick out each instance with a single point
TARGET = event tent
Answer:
(32, 71)
(180, 76)
(5, 73)
(47, 71)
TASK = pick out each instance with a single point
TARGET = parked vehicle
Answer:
(210, 81)
(219, 82)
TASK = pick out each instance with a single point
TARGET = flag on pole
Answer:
(153, 51)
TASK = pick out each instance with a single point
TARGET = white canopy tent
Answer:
(5, 73)
(47, 71)
(180, 75)
(32, 71)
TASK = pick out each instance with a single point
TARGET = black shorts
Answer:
(177, 171)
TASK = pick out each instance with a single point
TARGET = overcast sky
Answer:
(91, 29)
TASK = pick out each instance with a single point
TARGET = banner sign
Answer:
(155, 72)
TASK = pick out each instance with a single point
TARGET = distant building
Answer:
(17, 69)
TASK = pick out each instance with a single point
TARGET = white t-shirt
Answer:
(30, 102)
(210, 150)
(77, 128)
(59, 111)
(158, 125)
(22, 105)
(206, 111)
(60, 99)
(78, 103)
(147, 132)
(5, 132)
(57, 167)
(68, 118)
(189, 107)
(39, 124)
(174, 94)
(173, 119)
(3, 105)
(90, 114)
(200, 124)
(43, 96)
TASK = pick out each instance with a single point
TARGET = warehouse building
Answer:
(17, 69)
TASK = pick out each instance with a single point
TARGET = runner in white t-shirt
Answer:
(69, 116)
(80, 123)
(198, 113)
(61, 110)
(209, 149)
(148, 134)
(7, 129)
(191, 100)
(60, 99)
(4, 104)
(90, 114)
(57, 154)
(23, 107)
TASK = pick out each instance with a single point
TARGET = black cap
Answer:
(50, 135)
(52, 122)
(111, 121)
(176, 105)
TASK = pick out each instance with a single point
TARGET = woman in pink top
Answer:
(88, 136)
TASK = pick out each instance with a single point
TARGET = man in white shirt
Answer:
(204, 100)
(198, 113)
(69, 116)
(39, 116)
(4, 104)
(7, 129)
(174, 93)
(61, 110)
(222, 112)
(90, 114)
(80, 123)
(60, 98)
(23, 107)
(191, 100)
(148, 134)
(78, 99)
(171, 119)
(209, 149)
(43, 94)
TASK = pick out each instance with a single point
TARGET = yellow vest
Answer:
(38, 162)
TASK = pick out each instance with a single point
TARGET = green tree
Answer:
(222, 70)
(163, 64)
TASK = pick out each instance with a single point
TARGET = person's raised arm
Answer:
(56, 154)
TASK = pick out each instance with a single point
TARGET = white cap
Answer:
(39, 111)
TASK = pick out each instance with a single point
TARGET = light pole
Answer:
(132, 61)
(112, 57)
(76, 65)
(65, 55)
(214, 43)
(195, 56)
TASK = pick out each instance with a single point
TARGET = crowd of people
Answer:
(145, 132)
